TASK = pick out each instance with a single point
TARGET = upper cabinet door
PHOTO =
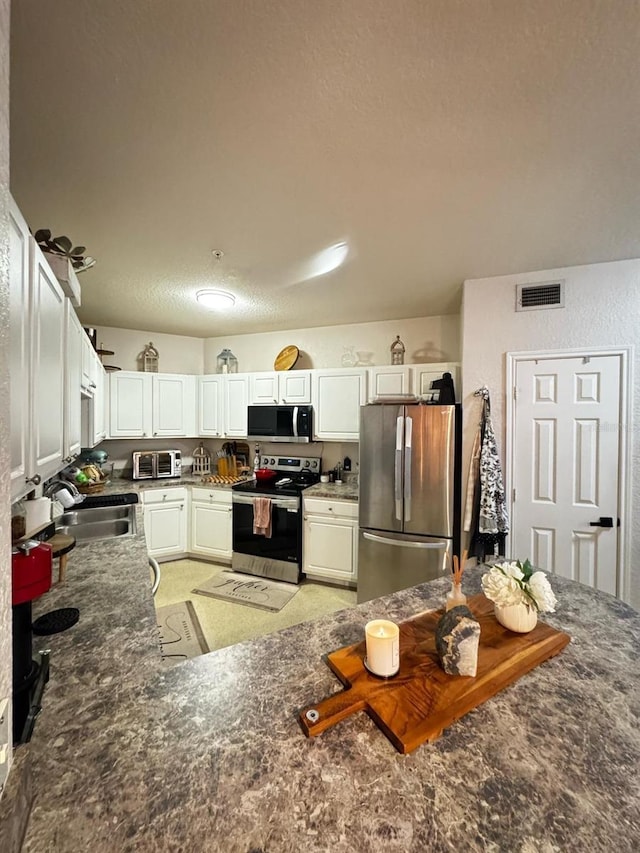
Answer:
(290, 387)
(174, 405)
(47, 340)
(73, 383)
(264, 388)
(236, 399)
(295, 387)
(337, 396)
(19, 347)
(210, 402)
(425, 374)
(389, 381)
(130, 405)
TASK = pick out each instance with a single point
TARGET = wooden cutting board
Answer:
(420, 702)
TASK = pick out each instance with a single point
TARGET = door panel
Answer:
(429, 470)
(381, 435)
(389, 562)
(566, 464)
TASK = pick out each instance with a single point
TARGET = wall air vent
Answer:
(534, 297)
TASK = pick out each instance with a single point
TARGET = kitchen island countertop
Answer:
(209, 756)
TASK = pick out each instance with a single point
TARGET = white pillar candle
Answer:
(383, 647)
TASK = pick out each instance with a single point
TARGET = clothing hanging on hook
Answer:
(490, 524)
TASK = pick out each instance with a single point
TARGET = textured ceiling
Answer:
(442, 139)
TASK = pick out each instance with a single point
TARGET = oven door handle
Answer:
(291, 504)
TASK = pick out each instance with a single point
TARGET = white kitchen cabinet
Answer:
(236, 400)
(337, 395)
(292, 388)
(47, 332)
(424, 375)
(87, 365)
(74, 334)
(389, 381)
(19, 349)
(211, 527)
(165, 521)
(330, 539)
(173, 405)
(210, 405)
(130, 413)
(94, 404)
(151, 405)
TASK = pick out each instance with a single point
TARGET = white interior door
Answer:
(566, 467)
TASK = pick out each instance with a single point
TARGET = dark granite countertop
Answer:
(209, 756)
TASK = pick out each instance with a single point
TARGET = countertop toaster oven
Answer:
(154, 464)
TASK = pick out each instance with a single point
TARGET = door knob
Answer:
(36, 479)
(603, 521)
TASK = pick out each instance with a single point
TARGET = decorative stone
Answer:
(457, 640)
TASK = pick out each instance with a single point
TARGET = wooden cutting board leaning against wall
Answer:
(421, 701)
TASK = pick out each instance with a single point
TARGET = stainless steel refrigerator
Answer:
(409, 501)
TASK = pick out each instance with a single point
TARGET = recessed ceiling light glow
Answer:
(219, 299)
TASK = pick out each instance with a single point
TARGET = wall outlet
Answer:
(5, 741)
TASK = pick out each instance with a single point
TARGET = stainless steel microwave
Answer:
(280, 423)
(154, 464)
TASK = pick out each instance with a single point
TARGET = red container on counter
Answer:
(31, 563)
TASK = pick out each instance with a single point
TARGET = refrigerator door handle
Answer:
(398, 467)
(401, 543)
(408, 441)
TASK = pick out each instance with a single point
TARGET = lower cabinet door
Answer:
(211, 530)
(329, 547)
(165, 527)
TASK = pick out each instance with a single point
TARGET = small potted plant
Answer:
(518, 594)
(63, 247)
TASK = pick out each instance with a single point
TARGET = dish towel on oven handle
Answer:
(262, 517)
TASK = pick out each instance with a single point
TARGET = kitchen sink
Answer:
(98, 523)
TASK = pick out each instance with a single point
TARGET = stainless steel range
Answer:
(278, 555)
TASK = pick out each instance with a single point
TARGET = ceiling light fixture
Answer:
(219, 299)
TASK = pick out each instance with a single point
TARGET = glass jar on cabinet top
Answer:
(226, 362)
(397, 351)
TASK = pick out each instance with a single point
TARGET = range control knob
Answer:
(314, 464)
(272, 461)
(307, 464)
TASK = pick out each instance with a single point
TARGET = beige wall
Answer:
(177, 353)
(425, 338)
(602, 309)
(5, 536)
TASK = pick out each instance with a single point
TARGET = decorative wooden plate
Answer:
(286, 358)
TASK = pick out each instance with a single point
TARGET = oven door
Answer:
(277, 557)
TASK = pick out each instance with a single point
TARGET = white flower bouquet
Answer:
(512, 583)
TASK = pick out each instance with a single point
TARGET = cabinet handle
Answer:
(181, 506)
(275, 401)
(92, 385)
(155, 433)
(36, 479)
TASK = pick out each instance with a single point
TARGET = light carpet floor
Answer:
(224, 623)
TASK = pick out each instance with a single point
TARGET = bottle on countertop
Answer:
(338, 478)
(256, 458)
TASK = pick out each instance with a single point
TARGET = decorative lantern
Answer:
(397, 351)
(201, 461)
(148, 358)
(226, 362)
